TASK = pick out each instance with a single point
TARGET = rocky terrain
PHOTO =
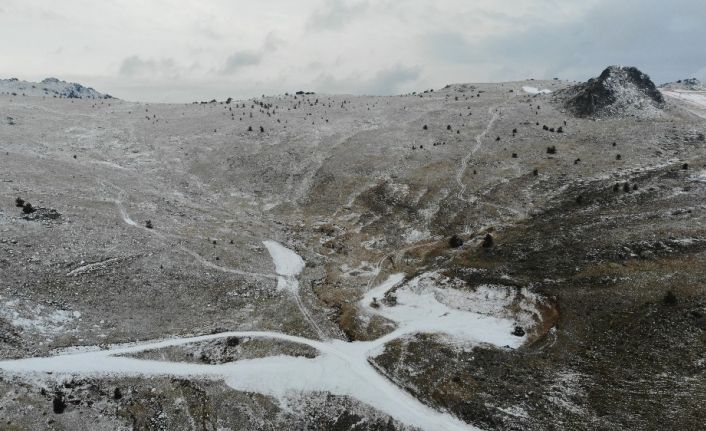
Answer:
(49, 87)
(521, 255)
(617, 91)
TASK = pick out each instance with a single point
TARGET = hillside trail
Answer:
(341, 367)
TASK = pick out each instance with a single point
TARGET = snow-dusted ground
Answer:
(535, 90)
(428, 303)
(695, 101)
(695, 97)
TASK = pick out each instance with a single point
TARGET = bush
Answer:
(487, 241)
(425, 127)
(551, 150)
(518, 331)
(626, 187)
(448, 127)
(670, 298)
(27, 208)
(148, 224)
(455, 241)
(685, 166)
(19, 202)
(618, 157)
(249, 128)
(535, 172)
(58, 404)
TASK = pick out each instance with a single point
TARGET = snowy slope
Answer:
(51, 87)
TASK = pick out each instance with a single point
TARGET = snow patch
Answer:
(535, 90)
(36, 318)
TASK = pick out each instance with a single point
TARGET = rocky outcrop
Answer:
(619, 91)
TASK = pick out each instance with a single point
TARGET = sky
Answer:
(183, 51)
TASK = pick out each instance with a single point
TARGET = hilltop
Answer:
(618, 91)
(49, 87)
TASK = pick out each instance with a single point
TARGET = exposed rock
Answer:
(619, 91)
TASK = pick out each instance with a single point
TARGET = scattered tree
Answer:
(455, 241)
(487, 241)
(27, 208)
(19, 202)
(618, 157)
(670, 298)
(148, 224)
(58, 403)
(551, 150)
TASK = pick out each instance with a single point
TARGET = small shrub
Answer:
(487, 241)
(514, 155)
(518, 331)
(535, 172)
(670, 298)
(19, 202)
(58, 404)
(455, 241)
(249, 128)
(148, 224)
(626, 187)
(27, 208)
(448, 127)
(551, 150)
(685, 166)
(618, 157)
(425, 127)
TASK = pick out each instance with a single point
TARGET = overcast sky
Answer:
(180, 51)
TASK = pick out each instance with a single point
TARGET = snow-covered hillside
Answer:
(51, 87)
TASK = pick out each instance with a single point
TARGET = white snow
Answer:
(428, 303)
(36, 318)
(535, 90)
(287, 262)
(695, 97)
(340, 369)
(424, 306)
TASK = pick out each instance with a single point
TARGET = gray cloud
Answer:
(336, 14)
(385, 82)
(240, 59)
(661, 38)
(244, 58)
(136, 67)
